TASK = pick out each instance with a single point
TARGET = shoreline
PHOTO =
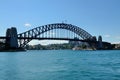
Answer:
(13, 50)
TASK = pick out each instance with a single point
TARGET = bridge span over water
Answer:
(57, 31)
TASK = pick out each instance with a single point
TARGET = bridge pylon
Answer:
(11, 38)
(100, 44)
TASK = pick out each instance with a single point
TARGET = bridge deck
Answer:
(69, 39)
(2, 37)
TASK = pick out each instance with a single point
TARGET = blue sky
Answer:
(98, 17)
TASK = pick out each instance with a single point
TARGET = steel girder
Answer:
(35, 32)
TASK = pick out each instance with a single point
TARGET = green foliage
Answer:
(56, 46)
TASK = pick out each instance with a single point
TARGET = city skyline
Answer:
(98, 17)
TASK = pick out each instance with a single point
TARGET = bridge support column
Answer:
(11, 38)
(100, 44)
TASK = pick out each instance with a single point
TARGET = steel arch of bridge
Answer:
(33, 33)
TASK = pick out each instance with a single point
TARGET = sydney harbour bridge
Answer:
(57, 31)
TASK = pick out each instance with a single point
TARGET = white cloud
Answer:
(116, 42)
(107, 36)
(27, 25)
(46, 42)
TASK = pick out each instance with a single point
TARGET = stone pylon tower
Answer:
(100, 44)
(11, 38)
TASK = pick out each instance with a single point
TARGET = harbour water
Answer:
(60, 65)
